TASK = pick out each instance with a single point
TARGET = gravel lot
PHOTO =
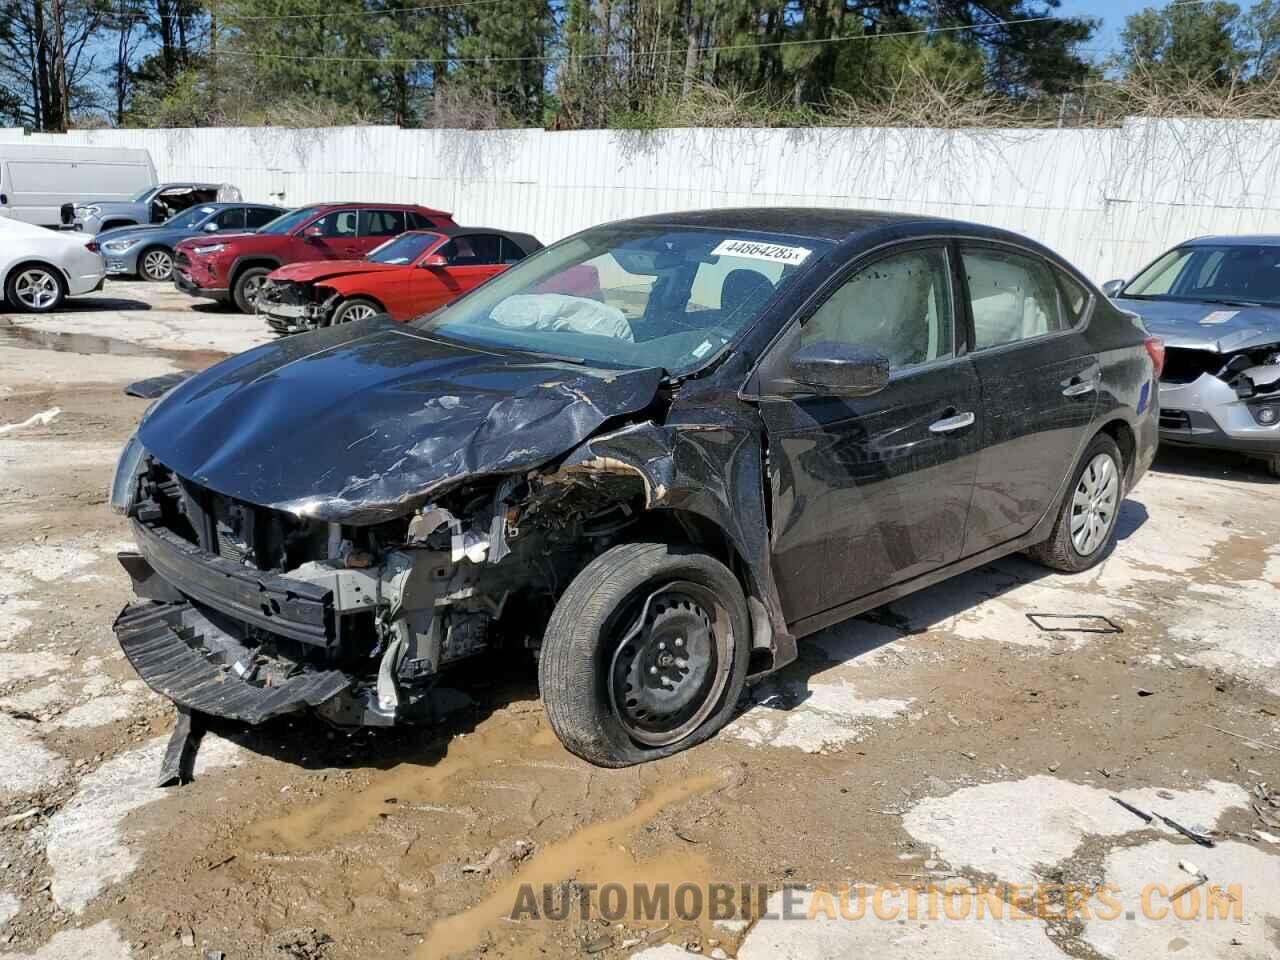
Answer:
(944, 739)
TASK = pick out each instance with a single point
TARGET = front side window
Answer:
(1212, 273)
(631, 295)
(899, 307)
(1012, 295)
(232, 219)
(337, 225)
(256, 217)
(476, 250)
(189, 219)
(289, 222)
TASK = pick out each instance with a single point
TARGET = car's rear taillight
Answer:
(1155, 347)
(91, 247)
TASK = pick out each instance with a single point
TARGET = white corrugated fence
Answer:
(1108, 199)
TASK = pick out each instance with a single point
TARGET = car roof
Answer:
(332, 204)
(225, 204)
(818, 223)
(1236, 240)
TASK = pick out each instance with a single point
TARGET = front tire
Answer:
(35, 288)
(156, 264)
(357, 308)
(245, 290)
(645, 654)
(1086, 524)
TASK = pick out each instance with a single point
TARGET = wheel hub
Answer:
(669, 667)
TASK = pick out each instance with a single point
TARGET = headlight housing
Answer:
(211, 248)
(125, 485)
(120, 246)
(88, 211)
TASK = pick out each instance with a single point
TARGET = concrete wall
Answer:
(1110, 200)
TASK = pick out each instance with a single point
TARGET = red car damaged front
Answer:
(415, 273)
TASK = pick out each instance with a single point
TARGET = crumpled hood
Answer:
(362, 422)
(316, 270)
(1206, 326)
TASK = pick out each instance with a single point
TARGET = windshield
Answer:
(630, 295)
(189, 218)
(405, 248)
(139, 197)
(288, 222)
(1241, 274)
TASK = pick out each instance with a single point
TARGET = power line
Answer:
(668, 51)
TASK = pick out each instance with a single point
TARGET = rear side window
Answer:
(1012, 295)
(510, 252)
(419, 221)
(899, 307)
(260, 216)
(381, 223)
(1075, 297)
(230, 219)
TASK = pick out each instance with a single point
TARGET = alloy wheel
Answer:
(252, 287)
(36, 289)
(1094, 504)
(157, 265)
(358, 311)
(670, 668)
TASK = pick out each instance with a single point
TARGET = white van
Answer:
(36, 180)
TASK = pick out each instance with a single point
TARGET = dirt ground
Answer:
(945, 739)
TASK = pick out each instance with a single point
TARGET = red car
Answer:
(413, 274)
(232, 267)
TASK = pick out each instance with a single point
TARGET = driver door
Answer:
(871, 491)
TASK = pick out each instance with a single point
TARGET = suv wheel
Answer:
(245, 290)
(645, 654)
(156, 264)
(35, 288)
(1086, 524)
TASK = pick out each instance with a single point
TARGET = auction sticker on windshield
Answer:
(755, 250)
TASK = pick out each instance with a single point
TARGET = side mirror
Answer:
(1112, 287)
(839, 369)
(434, 262)
(313, 233)
(210, 227)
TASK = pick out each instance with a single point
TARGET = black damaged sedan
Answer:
(655, 455)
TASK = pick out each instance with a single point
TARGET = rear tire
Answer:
(35, 288)
(645, 654)
(245, 290)
(1086, 525)
(156, 264)
(357, 308)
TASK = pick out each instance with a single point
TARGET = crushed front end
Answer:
(292, 307)
(249, 612)
(1225, 400)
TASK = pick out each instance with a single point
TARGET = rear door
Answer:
(870, 491)
(1039, 382)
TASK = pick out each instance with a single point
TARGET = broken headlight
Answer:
(125, 485)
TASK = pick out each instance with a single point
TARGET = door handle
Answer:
(949, 424)
(1079, 388)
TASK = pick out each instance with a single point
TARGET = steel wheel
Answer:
(37, 288)
(157, 264)
(1094, 504)
(671, 666)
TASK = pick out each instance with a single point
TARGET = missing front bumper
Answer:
(176, 651)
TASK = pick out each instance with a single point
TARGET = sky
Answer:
(1112, 14)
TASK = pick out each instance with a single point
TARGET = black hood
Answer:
(362, 422)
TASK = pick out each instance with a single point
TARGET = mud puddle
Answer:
(89, 344)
